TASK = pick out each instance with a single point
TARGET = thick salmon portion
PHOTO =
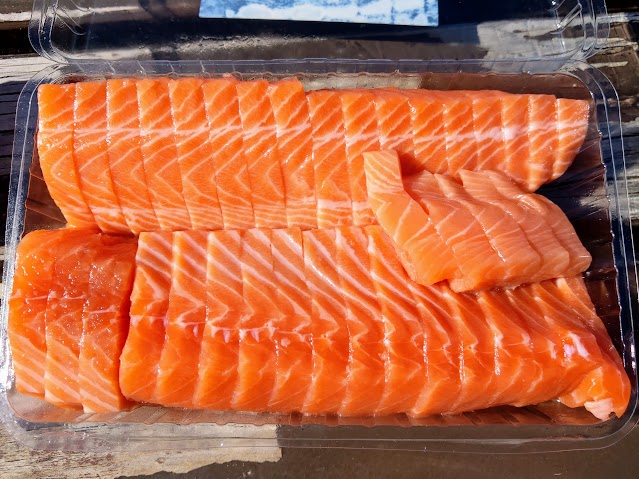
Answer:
(394, 123)
(225, 306)
(516, 122)
(63, 318)
(32, 282)
(367, 352)
(332, 182)
(295, 151)
(105, 325)
(543, 139)
(90, 153)
(225, 137)
(403, 332)
(572, 127)
(293, 333)
(258, 351)
(196, 157)
(139, 362)
(160, 156)
(330, 334)
(260, 150)
(125, 156)
(186, 317)
(56, 150)
(406, 222)
(607, 388)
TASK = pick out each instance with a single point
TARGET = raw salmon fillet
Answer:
(32, 282)
(394, 123)
(139, 362)
(295, 151)
(125, 156)
(405, 221)
(362, 134)
(332, 182)
(196, 156)
(105, 325)
(488, 229)
(367, 351)
(63, 317)
(225, 137)
(330, 334)
(160, 156)
(185, 320)
(260, 150)
(293, 330)
(225, 306)
(56, 149)
(91, 156)
(572, 127)
(257, 352)
(403, 332)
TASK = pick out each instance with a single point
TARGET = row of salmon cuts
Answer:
(164, 154)
(323, 321)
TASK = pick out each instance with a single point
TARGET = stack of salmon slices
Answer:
(250, 246)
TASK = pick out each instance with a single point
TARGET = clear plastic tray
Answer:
(593, 194)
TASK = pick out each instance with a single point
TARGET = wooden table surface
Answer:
(618, 59)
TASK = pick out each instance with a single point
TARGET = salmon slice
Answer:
(572, 127)
(488, 126)
(477, 365)
(105, 324)
(579, 258)
(606, 389)
(368, 354)
(160, 156)
(196, 157)
(332, 182)
(330, 333)
(219, 354)
(479, 263)
(295, 151)
(442, 351)
(554, 257)
(459, 124)
(148, 314)
(260, 150)
(225, 137)
(63, 317)
(125, 156)
(394, 122)
(257, 351)
(520, 260)
(516, 123)
(429, 134)
(405, 221)
(521, 357)
(543, 139)
(362, 134)
(403, 333)
(92, 159)
(186, 317)
(32, 281)
(293, 330)
(55, 151)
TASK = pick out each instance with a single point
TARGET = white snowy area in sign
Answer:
(394, 12)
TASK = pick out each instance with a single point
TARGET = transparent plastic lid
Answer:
(89, 30)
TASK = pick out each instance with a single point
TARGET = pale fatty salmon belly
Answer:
(215, 154)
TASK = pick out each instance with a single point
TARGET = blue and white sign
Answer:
(392, 12)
